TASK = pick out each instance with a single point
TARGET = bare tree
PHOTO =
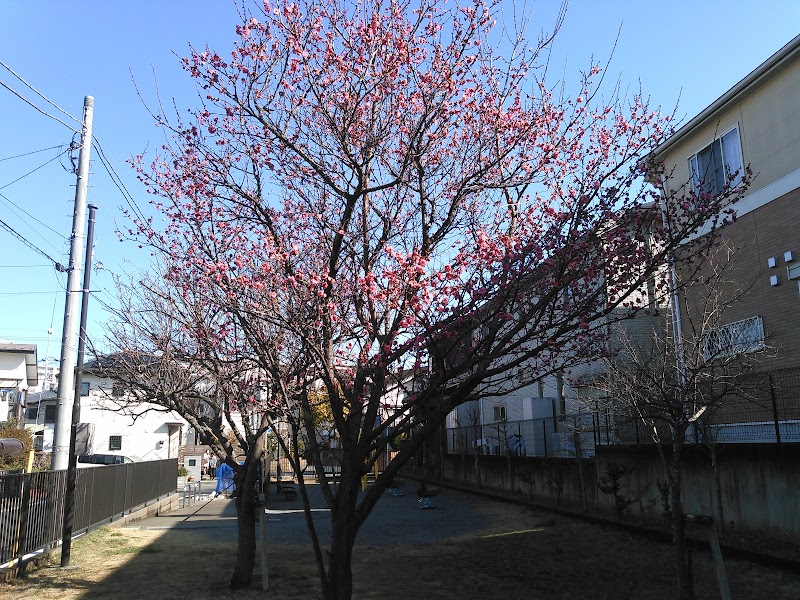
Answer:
(152, 350)
(672, 382)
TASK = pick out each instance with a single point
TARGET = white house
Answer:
(142, 432)
(17, 374)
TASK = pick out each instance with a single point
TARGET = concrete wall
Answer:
(549, 480)
(759, 484)
(759, 487)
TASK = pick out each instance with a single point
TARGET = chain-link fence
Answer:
(764, 409)
(533, 437)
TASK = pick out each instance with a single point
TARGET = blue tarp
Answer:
(224, 480)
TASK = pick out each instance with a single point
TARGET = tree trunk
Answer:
(339, 580)
(717, 489)
(477, 461)
(581, 475)
(684, 583)
(245, 480)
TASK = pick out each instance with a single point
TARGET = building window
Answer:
(716, 164)
(118, 389)
(84, 388)
(50, 413)
(500, 412)
(735, 338)
(115, 442)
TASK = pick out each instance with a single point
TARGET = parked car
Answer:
(98, 460)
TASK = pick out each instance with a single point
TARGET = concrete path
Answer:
(394, 520)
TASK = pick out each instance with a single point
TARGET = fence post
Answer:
(22, 535)
(774, 410)
(544, 430)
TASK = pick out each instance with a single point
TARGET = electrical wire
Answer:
(117, 180)
(23, 293)
(26, 101)
(56, 157)
(22, 266)
(40, 94)
(18, 207)
(31, 152)
(20, 237)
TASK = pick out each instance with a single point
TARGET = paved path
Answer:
(394, 520)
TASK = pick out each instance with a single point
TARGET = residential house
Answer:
(757, 124)
(108, 425)
(47, 369)
(17, 374)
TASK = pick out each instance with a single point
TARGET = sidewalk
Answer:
(394, 520)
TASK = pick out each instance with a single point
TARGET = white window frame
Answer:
(739, 337)
(500, 413)
(726, 163)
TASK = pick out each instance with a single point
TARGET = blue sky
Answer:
(690, 50)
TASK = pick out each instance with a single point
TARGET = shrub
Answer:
(15, 430)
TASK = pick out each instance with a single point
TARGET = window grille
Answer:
(735, 338)
(115, 442)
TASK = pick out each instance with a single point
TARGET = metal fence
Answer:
(331, 463)
(765, 408)
(534, 437)
(32, 504)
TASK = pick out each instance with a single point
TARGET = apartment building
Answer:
(755, 125)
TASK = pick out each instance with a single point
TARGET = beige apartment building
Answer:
(755, 124)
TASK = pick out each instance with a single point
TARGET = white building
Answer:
(17, 374)
(142, 432)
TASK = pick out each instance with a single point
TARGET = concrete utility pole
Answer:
(67, 375)
(72, 474)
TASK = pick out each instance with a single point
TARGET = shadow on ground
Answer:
(468, 548)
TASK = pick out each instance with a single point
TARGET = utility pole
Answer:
(72, 474)
(67, 373)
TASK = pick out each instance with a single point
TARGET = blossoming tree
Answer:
(379, 187)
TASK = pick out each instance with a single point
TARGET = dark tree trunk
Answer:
(245, 479)
(684, 583)
(581, 475)
(344, 527)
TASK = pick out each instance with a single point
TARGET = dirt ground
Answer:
(469, 548)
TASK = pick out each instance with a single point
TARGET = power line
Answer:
(23, 293)
(20, 237)
(26, 101)
(11, 204)
(31, 152)
(56, 157)
(18, 207)
(117, 180)
(23, 266)
(40, 94)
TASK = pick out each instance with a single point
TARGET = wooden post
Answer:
(716, 554)
(262, 542)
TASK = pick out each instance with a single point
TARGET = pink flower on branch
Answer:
(372, 189)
